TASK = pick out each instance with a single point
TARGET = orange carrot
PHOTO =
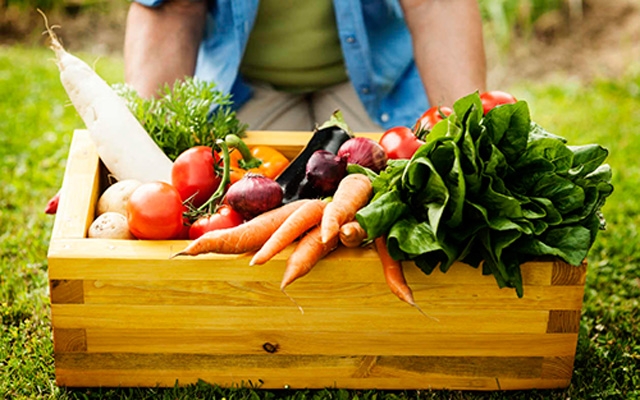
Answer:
(394, 275)
(352, 234)
(353, 193)
(249, 236)
(309, 250)
(299, 222)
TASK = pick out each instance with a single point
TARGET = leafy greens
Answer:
(492, 190)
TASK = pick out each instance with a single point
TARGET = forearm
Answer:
(448, 47)
(161, 44)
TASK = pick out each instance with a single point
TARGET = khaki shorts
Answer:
(271, 110)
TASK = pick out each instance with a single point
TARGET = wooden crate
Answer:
(124, 314)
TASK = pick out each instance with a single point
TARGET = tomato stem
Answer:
(213, 201)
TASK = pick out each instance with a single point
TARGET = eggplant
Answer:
(292, 179)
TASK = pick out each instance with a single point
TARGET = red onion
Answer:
(324, 171)
(365, 152)
(254, 194)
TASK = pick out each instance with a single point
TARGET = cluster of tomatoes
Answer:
(156, 210)
(401, 142)
(184, 208)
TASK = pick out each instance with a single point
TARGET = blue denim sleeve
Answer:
(150, 3)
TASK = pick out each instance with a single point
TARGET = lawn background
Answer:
(36, 122)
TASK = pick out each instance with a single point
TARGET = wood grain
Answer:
(150, 260)
(565, 274)
(69, 340)
(307, 371)
(348, 295)
(295, 342)
(402, 319)
(564, 321)
(79, 190)
(66, 291)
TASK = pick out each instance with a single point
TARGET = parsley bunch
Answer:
(191, 113)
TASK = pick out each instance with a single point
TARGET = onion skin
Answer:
(253, 195)
(365, 152)
(325, 170)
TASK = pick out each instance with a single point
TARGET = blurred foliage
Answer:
(506, 17)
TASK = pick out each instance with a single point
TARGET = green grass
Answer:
(36, 122)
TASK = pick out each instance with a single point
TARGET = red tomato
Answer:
(194, 174)
(225, 217)
(431, 117)
(495, 98)
(155, 211)
(400, 142)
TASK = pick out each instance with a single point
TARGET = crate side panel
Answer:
(98, 316)
(231, 341)
(304, 371)
(350, 295)
(151, 260)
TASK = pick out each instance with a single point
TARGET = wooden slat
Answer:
(79, 189)
(110, 378)
(564, 321)
(66, 291)
(350, 295)
(299, 371)
(232, 341)
(558, 367)
(568, 275)
(69, 340)
(150, 260)
(402, 319)
(321, 365)
(107, 378)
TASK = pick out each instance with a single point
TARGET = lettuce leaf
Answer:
(492, 191)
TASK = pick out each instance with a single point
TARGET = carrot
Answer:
(299, 222)
(353, 193)
(394, 275)
(309, 250)
(122, 143)
(249, 236)
(352, 234)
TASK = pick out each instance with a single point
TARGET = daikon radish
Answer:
(123, 145)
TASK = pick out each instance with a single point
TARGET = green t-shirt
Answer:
(294, 46)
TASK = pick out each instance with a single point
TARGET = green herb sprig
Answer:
(180, 117)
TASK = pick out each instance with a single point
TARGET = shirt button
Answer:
(351, 39)
(365, 90)
(384, 117)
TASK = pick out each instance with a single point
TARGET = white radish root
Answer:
(122, 143)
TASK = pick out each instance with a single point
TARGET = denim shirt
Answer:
(375, 41)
